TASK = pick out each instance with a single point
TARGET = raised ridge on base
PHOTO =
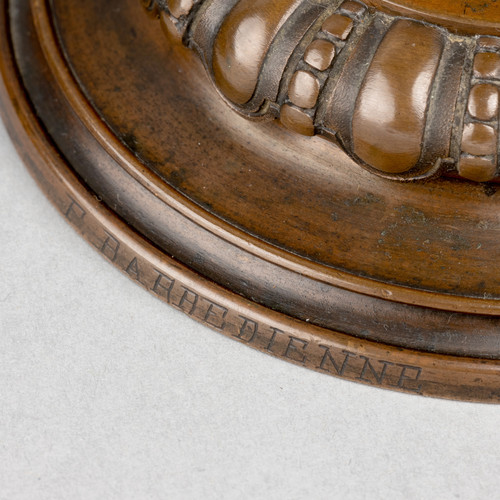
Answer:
(76, 113)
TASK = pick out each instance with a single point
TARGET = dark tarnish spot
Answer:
(426, 231)
(177, 177)
(411, 215)
(458, 242)
(130, 140)
(490, 189)
(478, 8)
(360, 201)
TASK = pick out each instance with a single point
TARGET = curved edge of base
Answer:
(290, 339)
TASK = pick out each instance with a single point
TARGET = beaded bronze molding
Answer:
(405, 99)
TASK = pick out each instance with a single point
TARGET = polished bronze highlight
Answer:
(388, 90)
(289, 237)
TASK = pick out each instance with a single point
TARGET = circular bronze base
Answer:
(274, 239)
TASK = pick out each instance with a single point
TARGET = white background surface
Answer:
(105, 392)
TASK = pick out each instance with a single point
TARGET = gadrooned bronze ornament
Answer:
(243, 161)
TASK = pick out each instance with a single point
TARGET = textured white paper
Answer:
(107, 393)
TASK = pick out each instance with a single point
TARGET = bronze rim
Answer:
(256, 246)
(297, 341)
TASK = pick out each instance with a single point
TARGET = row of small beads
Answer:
(297, 113)
(479, 155)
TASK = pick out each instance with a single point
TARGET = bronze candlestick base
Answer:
(317, 180)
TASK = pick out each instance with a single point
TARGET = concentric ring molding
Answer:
(298, 341)
(256, 246)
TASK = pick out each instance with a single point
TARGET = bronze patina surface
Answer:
(248, 163)
(469, 16)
